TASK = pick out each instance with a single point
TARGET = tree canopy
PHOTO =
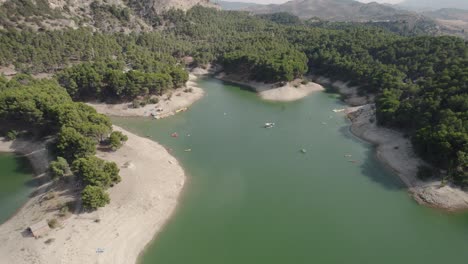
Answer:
(420, 82)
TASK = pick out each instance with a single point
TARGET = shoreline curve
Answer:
(396, 152)
(147, 196)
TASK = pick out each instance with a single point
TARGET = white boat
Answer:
(338, 110)
(269, 125)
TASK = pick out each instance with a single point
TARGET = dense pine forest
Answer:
(44, 108)
(420, 82)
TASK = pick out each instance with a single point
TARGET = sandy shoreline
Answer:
(396, 151)
(152, 181)
(271, 92)
(178, 101)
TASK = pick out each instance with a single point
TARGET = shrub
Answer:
(304, 81)
(59, 168)
(153, 100)
(113, 171)
(136, 103)
(53, 223)
(94, 197)
(72, 145)
(96, 172)
(116, 140)
(12, 135)
(64, 210)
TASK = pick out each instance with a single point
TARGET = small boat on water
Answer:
(303, 151)
(338, 110)
(188, 150)
(174, 135)
(269, 125)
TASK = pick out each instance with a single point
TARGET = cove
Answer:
(16, 183)
(253, 197)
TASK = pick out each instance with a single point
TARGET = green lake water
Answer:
(253, 198)
(16, 183)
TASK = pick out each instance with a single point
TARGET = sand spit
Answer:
(291, 91)
(396, 151)
(152, 181)
(168, 105)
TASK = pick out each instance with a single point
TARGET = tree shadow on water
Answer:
(376, 171)
(23, 165)
(371, 166)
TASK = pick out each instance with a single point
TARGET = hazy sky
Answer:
(382, 1)
(282, 1)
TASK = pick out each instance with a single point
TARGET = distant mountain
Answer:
(102, 15)
(454, 21)
(337, 10)
(448, 14)
(391, 17)
(225, 5)
(426, 5)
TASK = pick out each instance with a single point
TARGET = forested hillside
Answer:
(43, 108)
(420, 82)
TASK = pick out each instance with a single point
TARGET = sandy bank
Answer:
(350, 93)
(273, 92)
(140, 205)
(396, 151)
(169, 103)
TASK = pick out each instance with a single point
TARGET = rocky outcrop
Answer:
(100, 15)
(162, 5)
(335, 10)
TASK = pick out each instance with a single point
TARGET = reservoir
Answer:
(253, 197)
(16, 183)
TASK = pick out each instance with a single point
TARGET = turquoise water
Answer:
(252, 197)
(16, 184)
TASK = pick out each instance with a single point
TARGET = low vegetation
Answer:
(94, 197)
(116, 140)
(53, 223)
(59, 168)
(11, 135)
(94, 171)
